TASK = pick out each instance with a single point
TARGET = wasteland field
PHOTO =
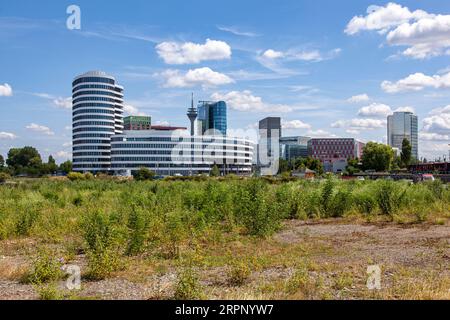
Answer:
(224, 238)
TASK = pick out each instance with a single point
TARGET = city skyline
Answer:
(334, 72)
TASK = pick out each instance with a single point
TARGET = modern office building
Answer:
(177, 153)
(100, 143)
(334, 148)
(403, 125)
(212, 117)
(269, 133)
(294, 147)
(97, 114)
(137, 123)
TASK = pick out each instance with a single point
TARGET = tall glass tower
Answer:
(97, 114)
(212, 116)
(403, 125)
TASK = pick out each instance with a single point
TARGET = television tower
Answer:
(192, 114)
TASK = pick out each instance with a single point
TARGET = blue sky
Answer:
(301, 60)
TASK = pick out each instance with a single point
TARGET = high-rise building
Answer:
(212, 116)
(97, 114)
(270, 133)
(403, 125)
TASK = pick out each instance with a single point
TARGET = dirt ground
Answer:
(415, 263)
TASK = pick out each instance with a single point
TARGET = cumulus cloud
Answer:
(360, 124)
(272, 54)
(417, 82)
(405, 109)
(246, 101)
(436, 126)
(5, 90)
(359, 98)
(378, 110)
(7, 135)
(201, 76)
(41, 129)
(319, 134)
(295, 124)
(192, 53)
(425, 34)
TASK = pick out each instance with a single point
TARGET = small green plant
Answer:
(137, 227)
(26, 219)
(75, 176)
(45, 268)
(188, 286)
(239, 273)
(49, 292)
(389, 197)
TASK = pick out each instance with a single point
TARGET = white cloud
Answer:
(300, 55)
(64, 103)
(189, 52)
(405, 109)
(360, 124)
(246, 101)
(417, 82)
(378, 110)
(236, 31)
(295, 124)
(359, 98)
(319, 134)
(201, 76)
(437, 123)
(39, 128)
(132, 110)
(63, 155)
(5, 90)
(426, 35)
(272, 54)
(7, 135)
(429, 136)
(67, 144)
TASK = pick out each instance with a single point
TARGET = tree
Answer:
(352, 166)
(24, 160)
(406, 153)
(215, 172)
(310, 163)
(66, 166)
(143, 174)
(377, 156)
(283, 166)
(50, 167)
(2, 162)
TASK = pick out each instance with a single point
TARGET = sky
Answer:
(327, 68)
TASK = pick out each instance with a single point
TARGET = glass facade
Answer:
(97, 105)
(212, 116)
(403, 125)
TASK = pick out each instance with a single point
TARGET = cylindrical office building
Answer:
(97, 114)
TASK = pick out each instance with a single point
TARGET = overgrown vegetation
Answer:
(112, 221)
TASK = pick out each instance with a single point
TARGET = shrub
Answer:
(143, 174)
(26, 219)
(188, 286)
(76, 176)
(256, 208)
(4, 176)
(137, 227)
(365, 202)
(45, 268)
(102, 240)
(238, 273)
(389, 197)
(88, 176)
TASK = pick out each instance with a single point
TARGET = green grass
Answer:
(112, 221)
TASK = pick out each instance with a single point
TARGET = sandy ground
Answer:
(352, 246)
